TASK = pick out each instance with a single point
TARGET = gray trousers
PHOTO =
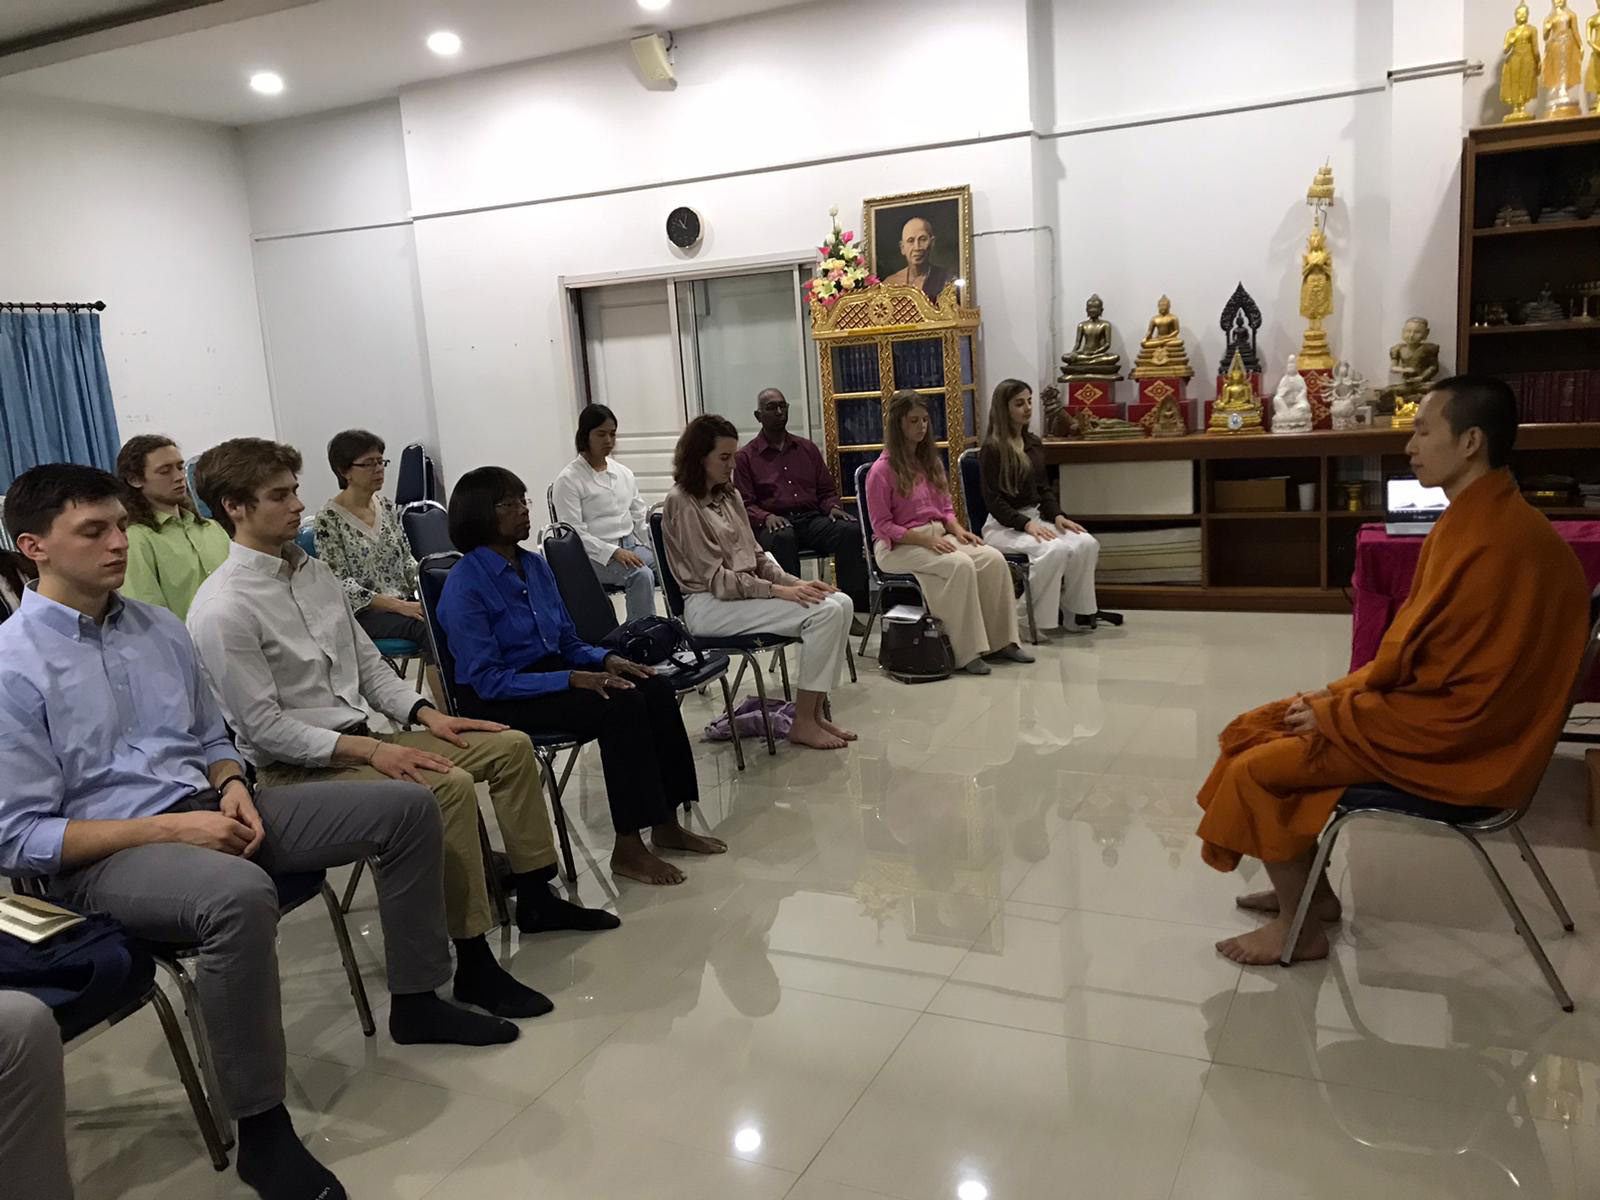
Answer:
(33, 1103)
(228, 906)
(639, 583)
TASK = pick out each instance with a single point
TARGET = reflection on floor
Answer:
(969, 958)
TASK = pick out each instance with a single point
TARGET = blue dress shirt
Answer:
(499, 623)
(98, 722)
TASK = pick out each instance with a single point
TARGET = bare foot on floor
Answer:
(815, 736)
(638, 863)
(1326, 909)
(676, 837)
(836, 730)
(1263, 947)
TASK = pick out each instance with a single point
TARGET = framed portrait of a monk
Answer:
(923, 239)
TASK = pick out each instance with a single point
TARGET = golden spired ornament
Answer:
(1237, 410)
(1316, 277)
(1519, 68)
(1563, 63)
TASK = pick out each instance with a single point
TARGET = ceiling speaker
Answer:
(651, 53)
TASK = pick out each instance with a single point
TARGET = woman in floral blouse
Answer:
(359, 537)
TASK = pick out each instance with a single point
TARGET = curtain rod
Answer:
(41, 305)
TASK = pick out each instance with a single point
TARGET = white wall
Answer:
(149, 215)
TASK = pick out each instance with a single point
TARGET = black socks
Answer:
(540, 910)
(273, 1162)
(418, 1018)
(483, 982)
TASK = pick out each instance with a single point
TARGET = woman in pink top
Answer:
(915, 530)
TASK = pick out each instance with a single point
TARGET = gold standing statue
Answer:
(1591, 79)
(1519, 68)
(1316, 301)
(1563, 62)
(1161, 354)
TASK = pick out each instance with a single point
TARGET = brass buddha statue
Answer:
(1237, 410)
(1091, 356)
(1519, 68)
(1161, 354)
(1563, 62)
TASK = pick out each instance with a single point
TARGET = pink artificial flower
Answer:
(873, 281)
(850, 237)
(836, 274)
(829, 301)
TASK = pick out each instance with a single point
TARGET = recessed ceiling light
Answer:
(444, 42)
(268, 83)
(653, 5)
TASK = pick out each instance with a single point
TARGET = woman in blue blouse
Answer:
(519, 660)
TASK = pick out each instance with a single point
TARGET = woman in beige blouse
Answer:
(731, 586)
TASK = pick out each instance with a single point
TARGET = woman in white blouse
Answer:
(599, 497)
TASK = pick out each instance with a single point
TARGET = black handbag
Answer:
(915, 651)
(648, 641)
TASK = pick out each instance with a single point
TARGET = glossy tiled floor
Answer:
(969, 958)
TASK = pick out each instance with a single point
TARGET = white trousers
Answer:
(970, 592)
(823, 630)
(1060, 573)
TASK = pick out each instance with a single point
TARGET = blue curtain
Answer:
(55, 394)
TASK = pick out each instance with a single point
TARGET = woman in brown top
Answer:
(731, 586)
(1025, 516)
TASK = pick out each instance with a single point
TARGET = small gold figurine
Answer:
(1519, 68)
(1237, 410)
(1563, 62)
(1161, 354)
(1413, 366)
(1166, 419)
(1091, 356)
(1591, 79)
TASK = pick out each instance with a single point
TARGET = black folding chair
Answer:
(881, 581)
(610, 589)
(427, 528)
(1468, 823)
(594, 617)
(432, 572)
(977, 514)
(746, 645)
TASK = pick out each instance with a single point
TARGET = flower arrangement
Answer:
(841, 267)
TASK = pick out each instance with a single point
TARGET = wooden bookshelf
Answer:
(1288, 560)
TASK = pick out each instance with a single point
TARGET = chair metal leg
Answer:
(872, 617)
(202, 1047)
(1027, 599)
(203, 1116)
(350, 888)
(766, 717)
(547, 761)
(783, 669)
(744, 665)
(1532, 859)
(850, 660)
(491, 875)
(1520, 921)
(1319, 864)
(733, 728)
(352, 973)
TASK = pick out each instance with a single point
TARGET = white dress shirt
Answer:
(286, 657)
(603, 506)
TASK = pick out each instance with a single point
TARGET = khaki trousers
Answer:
(503, 760)
(970, 592)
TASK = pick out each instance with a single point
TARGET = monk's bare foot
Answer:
(812, 734)
(1263, 947)
(635, 862)
(676, 837)
(836, 730)
(1326, 909)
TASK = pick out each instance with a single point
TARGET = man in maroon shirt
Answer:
(793, 501)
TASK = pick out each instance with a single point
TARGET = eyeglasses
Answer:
(512, 505)
(371, 464)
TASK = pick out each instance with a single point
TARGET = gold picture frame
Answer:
(948, 214)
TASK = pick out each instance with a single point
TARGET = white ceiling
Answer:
(333, 53)
(23, 18)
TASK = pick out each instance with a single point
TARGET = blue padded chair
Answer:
(882, 581)
(426, 524)
(431, 574)
(977, 514)
(200, 506)
(397, 652)
(1468, 823)
(594, 617)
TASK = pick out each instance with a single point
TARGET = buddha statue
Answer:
(1348, 386)
(1291, 403)
(1236, 410)
(1161, 354)
(1413, 366)
(1091, 356)
(1316, 300)
(1519, 68)
(1543, 310)
(1563, 62)
(1591, 77)
(1240, 321)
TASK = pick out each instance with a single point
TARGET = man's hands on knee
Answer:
(450, 729)
(406, 762)
(209, 831)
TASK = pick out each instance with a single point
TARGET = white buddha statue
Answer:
(1347, 388)
(1291, 403)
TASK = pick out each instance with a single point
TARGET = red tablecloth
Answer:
(1385, 564)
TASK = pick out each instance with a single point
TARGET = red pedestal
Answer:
(1319, 387)
(1098, 394)
(1151, 393)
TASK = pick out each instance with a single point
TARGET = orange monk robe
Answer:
(1463, 703)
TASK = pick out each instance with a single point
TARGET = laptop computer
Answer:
(1410, 508)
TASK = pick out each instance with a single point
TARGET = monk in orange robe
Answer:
(1463, 703)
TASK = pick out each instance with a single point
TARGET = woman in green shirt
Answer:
(171, 548)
